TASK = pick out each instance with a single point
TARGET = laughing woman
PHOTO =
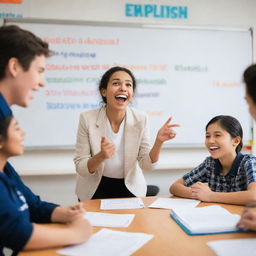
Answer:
(113, 140)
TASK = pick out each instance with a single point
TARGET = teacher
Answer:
(112, 145)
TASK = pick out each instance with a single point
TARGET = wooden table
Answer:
(169, 239)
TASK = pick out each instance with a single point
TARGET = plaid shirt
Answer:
(242, 173)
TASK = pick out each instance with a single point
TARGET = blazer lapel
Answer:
(131, 139)
(100, 127)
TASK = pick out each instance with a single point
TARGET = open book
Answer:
(206, 220)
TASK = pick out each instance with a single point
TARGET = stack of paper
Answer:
(109, 242)
(127, 203)
(99, 219)
(234, 247)
(206, 220)
(173, 203)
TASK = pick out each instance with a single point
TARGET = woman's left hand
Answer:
(166, 132)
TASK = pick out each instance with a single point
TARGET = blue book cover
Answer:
(189, 232)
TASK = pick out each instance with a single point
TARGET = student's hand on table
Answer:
(248, 219)
(166, 132)
(201, 191)
(68, 214)
(107, 148)
(82, 229)
(74, 212)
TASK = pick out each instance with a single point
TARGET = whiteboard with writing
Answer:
(189, 74)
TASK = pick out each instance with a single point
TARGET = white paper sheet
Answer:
(234, 247)
(100, 219)
(126, 203)
(109, 242)
(173, 203)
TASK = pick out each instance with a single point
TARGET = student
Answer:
(112, 140)
(22, 213)
(227, 176)
(22, 65)
(250, 89)
(248, 219)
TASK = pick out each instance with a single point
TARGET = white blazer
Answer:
(92, 126)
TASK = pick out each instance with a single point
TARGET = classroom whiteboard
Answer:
(190, 74)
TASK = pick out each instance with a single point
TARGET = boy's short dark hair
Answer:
(21, 44)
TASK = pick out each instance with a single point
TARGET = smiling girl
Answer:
(113, 140)
(227, 176)
(23, 216)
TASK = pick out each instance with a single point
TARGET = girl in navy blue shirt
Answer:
(22, 214)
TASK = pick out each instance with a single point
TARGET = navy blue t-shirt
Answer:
(19, 208)
(4, 108)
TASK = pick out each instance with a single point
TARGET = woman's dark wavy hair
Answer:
(231, 125)
(106, 76)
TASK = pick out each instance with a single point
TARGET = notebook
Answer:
(206, 220)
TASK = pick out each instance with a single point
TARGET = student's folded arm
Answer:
(239, 197)
(182, 187)
(48, 235)
(68, 214)
(178, 188)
